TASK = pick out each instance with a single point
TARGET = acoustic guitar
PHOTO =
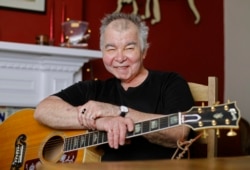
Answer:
(26, 143)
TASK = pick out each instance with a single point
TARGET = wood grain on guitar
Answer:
(26, 143)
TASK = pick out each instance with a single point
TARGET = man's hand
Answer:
(90, 111)
(116, 128)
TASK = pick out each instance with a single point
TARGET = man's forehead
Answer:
(121, 24)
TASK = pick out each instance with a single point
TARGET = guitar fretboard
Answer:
(100, 137)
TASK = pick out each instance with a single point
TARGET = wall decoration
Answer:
(195, 11)
(30, 5)
(155, 8)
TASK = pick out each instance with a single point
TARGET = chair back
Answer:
(207, 93)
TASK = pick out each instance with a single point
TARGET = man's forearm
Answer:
(57, 114)
(168, 137)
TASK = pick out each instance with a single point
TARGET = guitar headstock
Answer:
(219, 116)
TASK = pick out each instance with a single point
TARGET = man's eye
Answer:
(129, 48)
(110, 49)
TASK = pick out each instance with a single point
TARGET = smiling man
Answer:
(133, 95)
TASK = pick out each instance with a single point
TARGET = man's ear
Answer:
(144, 53)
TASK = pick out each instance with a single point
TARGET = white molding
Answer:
(29, 73)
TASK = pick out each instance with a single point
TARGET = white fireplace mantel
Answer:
(29, 73)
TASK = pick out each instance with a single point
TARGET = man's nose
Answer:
(120, 57)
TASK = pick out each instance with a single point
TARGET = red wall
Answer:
(24, 26)
(177, 44)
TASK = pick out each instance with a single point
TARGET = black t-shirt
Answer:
(160, 93)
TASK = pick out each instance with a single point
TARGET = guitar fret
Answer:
(164, 122)
(145, 127)
(75, 142)
(100, 136)
(87, 139)
(78, 141)
(69, 144)
(104, 137)
(130, 134)
(93, 138)
(82, 141)
(90, 139)
(66, 144)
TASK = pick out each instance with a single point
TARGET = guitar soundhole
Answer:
(53, 149)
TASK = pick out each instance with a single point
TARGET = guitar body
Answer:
(25, 142)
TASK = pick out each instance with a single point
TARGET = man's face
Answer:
(122, 54)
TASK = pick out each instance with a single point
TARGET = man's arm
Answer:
(57, 114)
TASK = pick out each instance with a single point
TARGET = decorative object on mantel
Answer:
(42, 40)
(156, 9)
(75, 33)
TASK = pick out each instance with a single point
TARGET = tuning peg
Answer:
(231, 133)
(226, 107)
(199, 110)
(218, 133)
(212, 108)
(213, 122)
(200, 124)
(204, 134)
(227, 121)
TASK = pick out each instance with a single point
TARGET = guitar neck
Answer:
(198, 118)
(95, 138)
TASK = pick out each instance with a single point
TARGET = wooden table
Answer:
(229, 163)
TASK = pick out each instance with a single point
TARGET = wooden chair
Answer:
(209, 94)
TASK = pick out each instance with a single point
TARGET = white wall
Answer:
(237, 54)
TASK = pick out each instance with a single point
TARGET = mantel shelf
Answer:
(39, 50)
(29, 73)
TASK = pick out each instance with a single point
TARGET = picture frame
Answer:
(27, 5)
